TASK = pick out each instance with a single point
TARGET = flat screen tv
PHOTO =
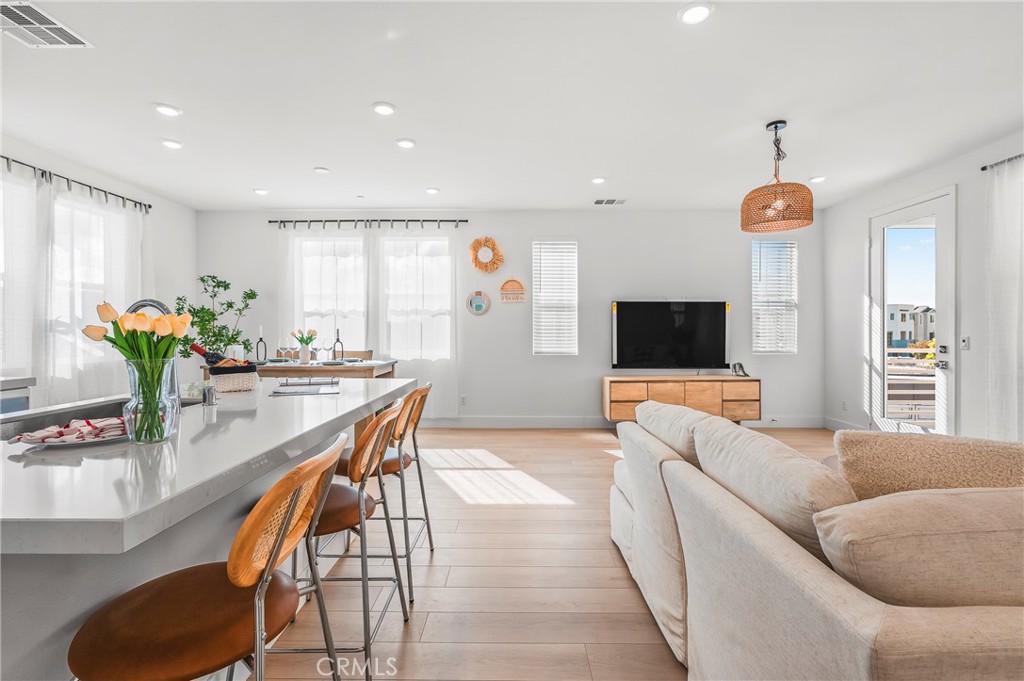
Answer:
(670, 335)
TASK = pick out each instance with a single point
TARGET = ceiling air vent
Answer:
(28, 25)
(609, 202)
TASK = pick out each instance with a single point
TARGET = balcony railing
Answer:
(910, 385)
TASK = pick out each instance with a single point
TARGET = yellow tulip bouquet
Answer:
(304, 337)
(149, 345)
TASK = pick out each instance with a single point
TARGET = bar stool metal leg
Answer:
(364, 564)
(423, 491)
(321, 604)
(394, 552)
(405, 527)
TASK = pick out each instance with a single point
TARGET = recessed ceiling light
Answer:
(817, 178)
(405, 143)
(695, 13)
(260, 192)
(433, 190)
(598, 180)
(167, 109)
(171, 144)
(384, 108)
(321, 170)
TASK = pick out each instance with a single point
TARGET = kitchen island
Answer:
(81, 526)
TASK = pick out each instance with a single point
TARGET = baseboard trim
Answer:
(836, 424)
(589, 422)
(566, 422)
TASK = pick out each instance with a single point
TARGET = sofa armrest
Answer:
(876, 463)
(761, 607)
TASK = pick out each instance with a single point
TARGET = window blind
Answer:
(555, 298)
(773, 275)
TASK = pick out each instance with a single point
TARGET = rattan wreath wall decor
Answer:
(494, 262)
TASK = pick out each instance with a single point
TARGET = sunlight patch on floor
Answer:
(479, 476)
(462, 458)
(502, 487)
(617, 453)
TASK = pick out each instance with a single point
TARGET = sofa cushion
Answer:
(784, 486)
(883, 463)
(620, 473)
(673, 425)
(931, 548)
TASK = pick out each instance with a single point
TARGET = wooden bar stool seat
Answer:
(341, 510)
(178, 627)
(389, 466)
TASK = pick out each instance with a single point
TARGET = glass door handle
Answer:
(942, 364)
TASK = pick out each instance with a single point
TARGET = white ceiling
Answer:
(514, 105)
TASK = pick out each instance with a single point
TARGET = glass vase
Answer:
(151, 415)
(304, 355)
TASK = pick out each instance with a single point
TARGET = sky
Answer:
(910, 265)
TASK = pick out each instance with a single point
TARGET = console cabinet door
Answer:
(705, 396)
(667, 393)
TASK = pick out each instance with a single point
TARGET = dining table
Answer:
(364, 368)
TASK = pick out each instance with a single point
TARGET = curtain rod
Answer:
(999, 163)
(50, 174)
(368, 223)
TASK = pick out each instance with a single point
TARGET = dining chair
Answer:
(349, 506)
(204, 618)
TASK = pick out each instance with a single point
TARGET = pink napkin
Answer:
(79, 430)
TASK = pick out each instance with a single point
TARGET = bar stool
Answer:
(204, 618)
(347, 508)
(395, 462)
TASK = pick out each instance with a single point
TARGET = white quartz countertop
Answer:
(109, 498)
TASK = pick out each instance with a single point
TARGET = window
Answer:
(903, 316)
(416, 288)
(773, 270)
(555, 298)
(63, 252)
(892, 316)
(331, 288)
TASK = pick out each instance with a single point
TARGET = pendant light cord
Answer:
(779, 154)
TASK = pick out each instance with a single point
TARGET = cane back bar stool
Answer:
(348, 507)
(204, 618)
(396, 461)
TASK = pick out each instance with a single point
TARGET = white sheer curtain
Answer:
(387, 291)
(1005, 300)
(64, 251)
(417, 320)
(330, 288)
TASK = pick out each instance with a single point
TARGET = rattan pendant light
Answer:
(778, 206)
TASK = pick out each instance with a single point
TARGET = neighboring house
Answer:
(905, 324)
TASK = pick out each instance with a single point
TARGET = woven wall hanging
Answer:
(512, 291)
(496, 256)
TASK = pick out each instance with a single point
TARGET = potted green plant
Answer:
(216, 324)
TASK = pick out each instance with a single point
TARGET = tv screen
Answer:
(669, 335)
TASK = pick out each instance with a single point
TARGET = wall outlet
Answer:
(842, 405)
(965, 342)
(462, 400)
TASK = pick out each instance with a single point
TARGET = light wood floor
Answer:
(524, 583)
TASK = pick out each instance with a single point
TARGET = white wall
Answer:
(623, 254)
(169, 243)
(845, 246)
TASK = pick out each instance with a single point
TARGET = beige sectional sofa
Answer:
(732, 536)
